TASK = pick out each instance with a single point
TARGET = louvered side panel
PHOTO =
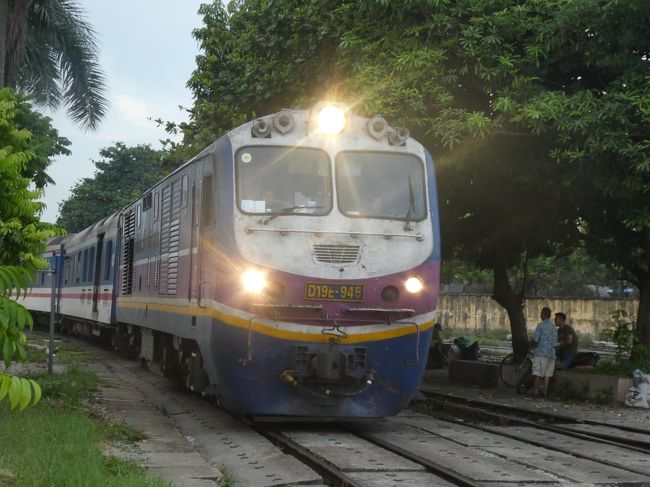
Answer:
(165, 224)
(174, 238)
(128, 233)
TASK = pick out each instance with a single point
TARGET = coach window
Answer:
(282, 180)
(138, 216)
(207, 201)
(77, 268)
(91, 264)
(66, 272)
(84, 268)
(184, 189)
(109, 260)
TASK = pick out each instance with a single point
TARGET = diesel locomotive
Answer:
(289, 269)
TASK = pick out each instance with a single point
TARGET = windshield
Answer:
(282, 180)
(381, 185)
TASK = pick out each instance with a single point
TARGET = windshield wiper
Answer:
(409, 213)
(289, 211)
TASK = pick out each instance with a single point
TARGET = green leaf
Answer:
(5, 381)
(37, 391)
(15, 392)
(26, 395)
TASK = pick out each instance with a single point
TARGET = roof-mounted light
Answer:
(398, 136)
(329, 118)
(378, 127)
(284, 122)
(261, 129)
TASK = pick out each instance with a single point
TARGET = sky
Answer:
(147, 53)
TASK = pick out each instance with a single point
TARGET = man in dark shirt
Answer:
(567, 341)
(437, 354)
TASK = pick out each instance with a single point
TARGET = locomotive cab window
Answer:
(381, 185)
(207, 201)
(281, 180)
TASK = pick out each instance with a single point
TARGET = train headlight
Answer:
(331, 120)
(253, 281)
(414, 285)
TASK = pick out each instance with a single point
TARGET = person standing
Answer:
(567, 341)
(543, 347)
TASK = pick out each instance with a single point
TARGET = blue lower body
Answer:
(247, 372)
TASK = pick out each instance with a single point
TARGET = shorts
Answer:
(543, 366)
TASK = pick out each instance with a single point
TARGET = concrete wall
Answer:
(481, 312)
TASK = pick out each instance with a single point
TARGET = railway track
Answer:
(371, 460)
(627, 436)
(408, 450)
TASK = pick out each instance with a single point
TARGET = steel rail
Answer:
(530, 412)
(325, 468)
(534, 442)
(590, 436)
(433, 467)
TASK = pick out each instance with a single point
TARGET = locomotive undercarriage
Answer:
(174, 357)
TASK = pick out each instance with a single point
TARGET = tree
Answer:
(445, 69)
(257, 58)
(541, 105)
(122, 175)
(22, 236)
(594, 93)
(48, 51)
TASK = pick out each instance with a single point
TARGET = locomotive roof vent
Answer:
(336, 253)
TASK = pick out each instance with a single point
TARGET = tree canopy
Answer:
(22, 234)
(49, 52)
(122, 175)
(537, 112)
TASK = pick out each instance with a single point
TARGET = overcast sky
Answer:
(147, 53)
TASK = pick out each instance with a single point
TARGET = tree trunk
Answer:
(4, 19)
(16, 39)
(643, 313)
(503, 294)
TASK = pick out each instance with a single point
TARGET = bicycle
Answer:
(517, 374)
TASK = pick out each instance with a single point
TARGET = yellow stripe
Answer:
(270, 331)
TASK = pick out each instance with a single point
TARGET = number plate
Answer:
(334, 292)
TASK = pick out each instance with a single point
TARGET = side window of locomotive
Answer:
(184, 190)
(207, 201)
(156, 205)
(278, 180)
(146, 201)
(381, 185)
(109, 260)
(138, 216)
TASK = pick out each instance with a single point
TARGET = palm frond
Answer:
(61, 41)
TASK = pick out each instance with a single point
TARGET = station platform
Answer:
(615, 414)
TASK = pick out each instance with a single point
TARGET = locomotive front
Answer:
(335, 247)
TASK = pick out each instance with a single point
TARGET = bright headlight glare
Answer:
(413, 285)
(331, 120)
(253, 281)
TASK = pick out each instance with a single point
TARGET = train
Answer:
(291, 268)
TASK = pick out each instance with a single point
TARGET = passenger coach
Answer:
(290, 268)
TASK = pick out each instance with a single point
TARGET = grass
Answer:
(66, 352)
(59, 442)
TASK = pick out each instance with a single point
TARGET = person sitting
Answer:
(437, 354)
(567, 341)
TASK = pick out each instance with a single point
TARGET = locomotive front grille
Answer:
(336, 254)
